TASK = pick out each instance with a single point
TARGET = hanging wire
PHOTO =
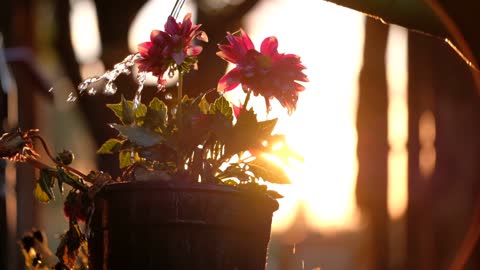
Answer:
(176, 9)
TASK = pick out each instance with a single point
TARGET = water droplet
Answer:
(71, 97)
(161, 88)
(83, 86)
(110, 88)
(137, 100)
(111, 125)
(174, 110)
(92, 91)
(171, 73)
(168, 96)
(294, 248)
(50, 90)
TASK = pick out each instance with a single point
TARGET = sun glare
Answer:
(329, 40)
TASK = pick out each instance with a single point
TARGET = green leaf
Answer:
(274, 194)
(222, 105)
(157, 114)
(69, 179)
(139, 135)
(124, 111)
(230, 182)
(44, 187)
(268, 170)
(127, 112)
(111, 146)
(236, 172)
(40, 194)
(126, 159)
(204, 105)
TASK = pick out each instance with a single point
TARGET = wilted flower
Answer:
(76, 205)
(171, 48)
(17, 145)
(266, 73)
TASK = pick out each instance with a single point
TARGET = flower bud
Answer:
(65, 157)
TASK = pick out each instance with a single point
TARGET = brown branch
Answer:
(68, 168)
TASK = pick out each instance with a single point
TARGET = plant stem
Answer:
(68, 168)
(180, 161)
(45, 147)
(247, 99)
(180, 86)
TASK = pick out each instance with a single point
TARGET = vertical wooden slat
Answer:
(372, 149)
(3, 206)
(22, 35)
(420, 100)
(440, 206)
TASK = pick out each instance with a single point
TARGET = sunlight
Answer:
(397, 121)
(325, 181)
(83, 21)
(329, 39)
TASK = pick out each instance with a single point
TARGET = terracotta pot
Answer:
(155, 225)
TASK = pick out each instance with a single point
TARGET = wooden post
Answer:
(441, 205)
(372, 149)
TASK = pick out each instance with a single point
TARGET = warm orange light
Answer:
(322, 130)
(329, 39)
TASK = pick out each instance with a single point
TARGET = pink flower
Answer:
(266, 73)
(171, 48)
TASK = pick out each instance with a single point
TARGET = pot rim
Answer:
(183, 186)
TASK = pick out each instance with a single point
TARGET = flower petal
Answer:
(227, 54)
(171, 26)
(246, 40)
(194, 50)
(229, 80)
(269, 46)
(144, 47)
(202, 36)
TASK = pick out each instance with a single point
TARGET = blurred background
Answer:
(388, 126)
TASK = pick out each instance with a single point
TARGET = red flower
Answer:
(171, 48)
(266, 73)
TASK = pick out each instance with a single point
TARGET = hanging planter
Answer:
(156, 225)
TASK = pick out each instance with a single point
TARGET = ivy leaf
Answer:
(230, 182)
(278, 146)
(268, 170)
(125, 158)
(124, 111)
(156, 114)
(274, 194)
(222, 105)
(40, 194)
(204, 105)
(248, 133)
(127, 112)
(236, 172)
(139, 135)
(111, 146)
(44, 187)
(69, 179)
